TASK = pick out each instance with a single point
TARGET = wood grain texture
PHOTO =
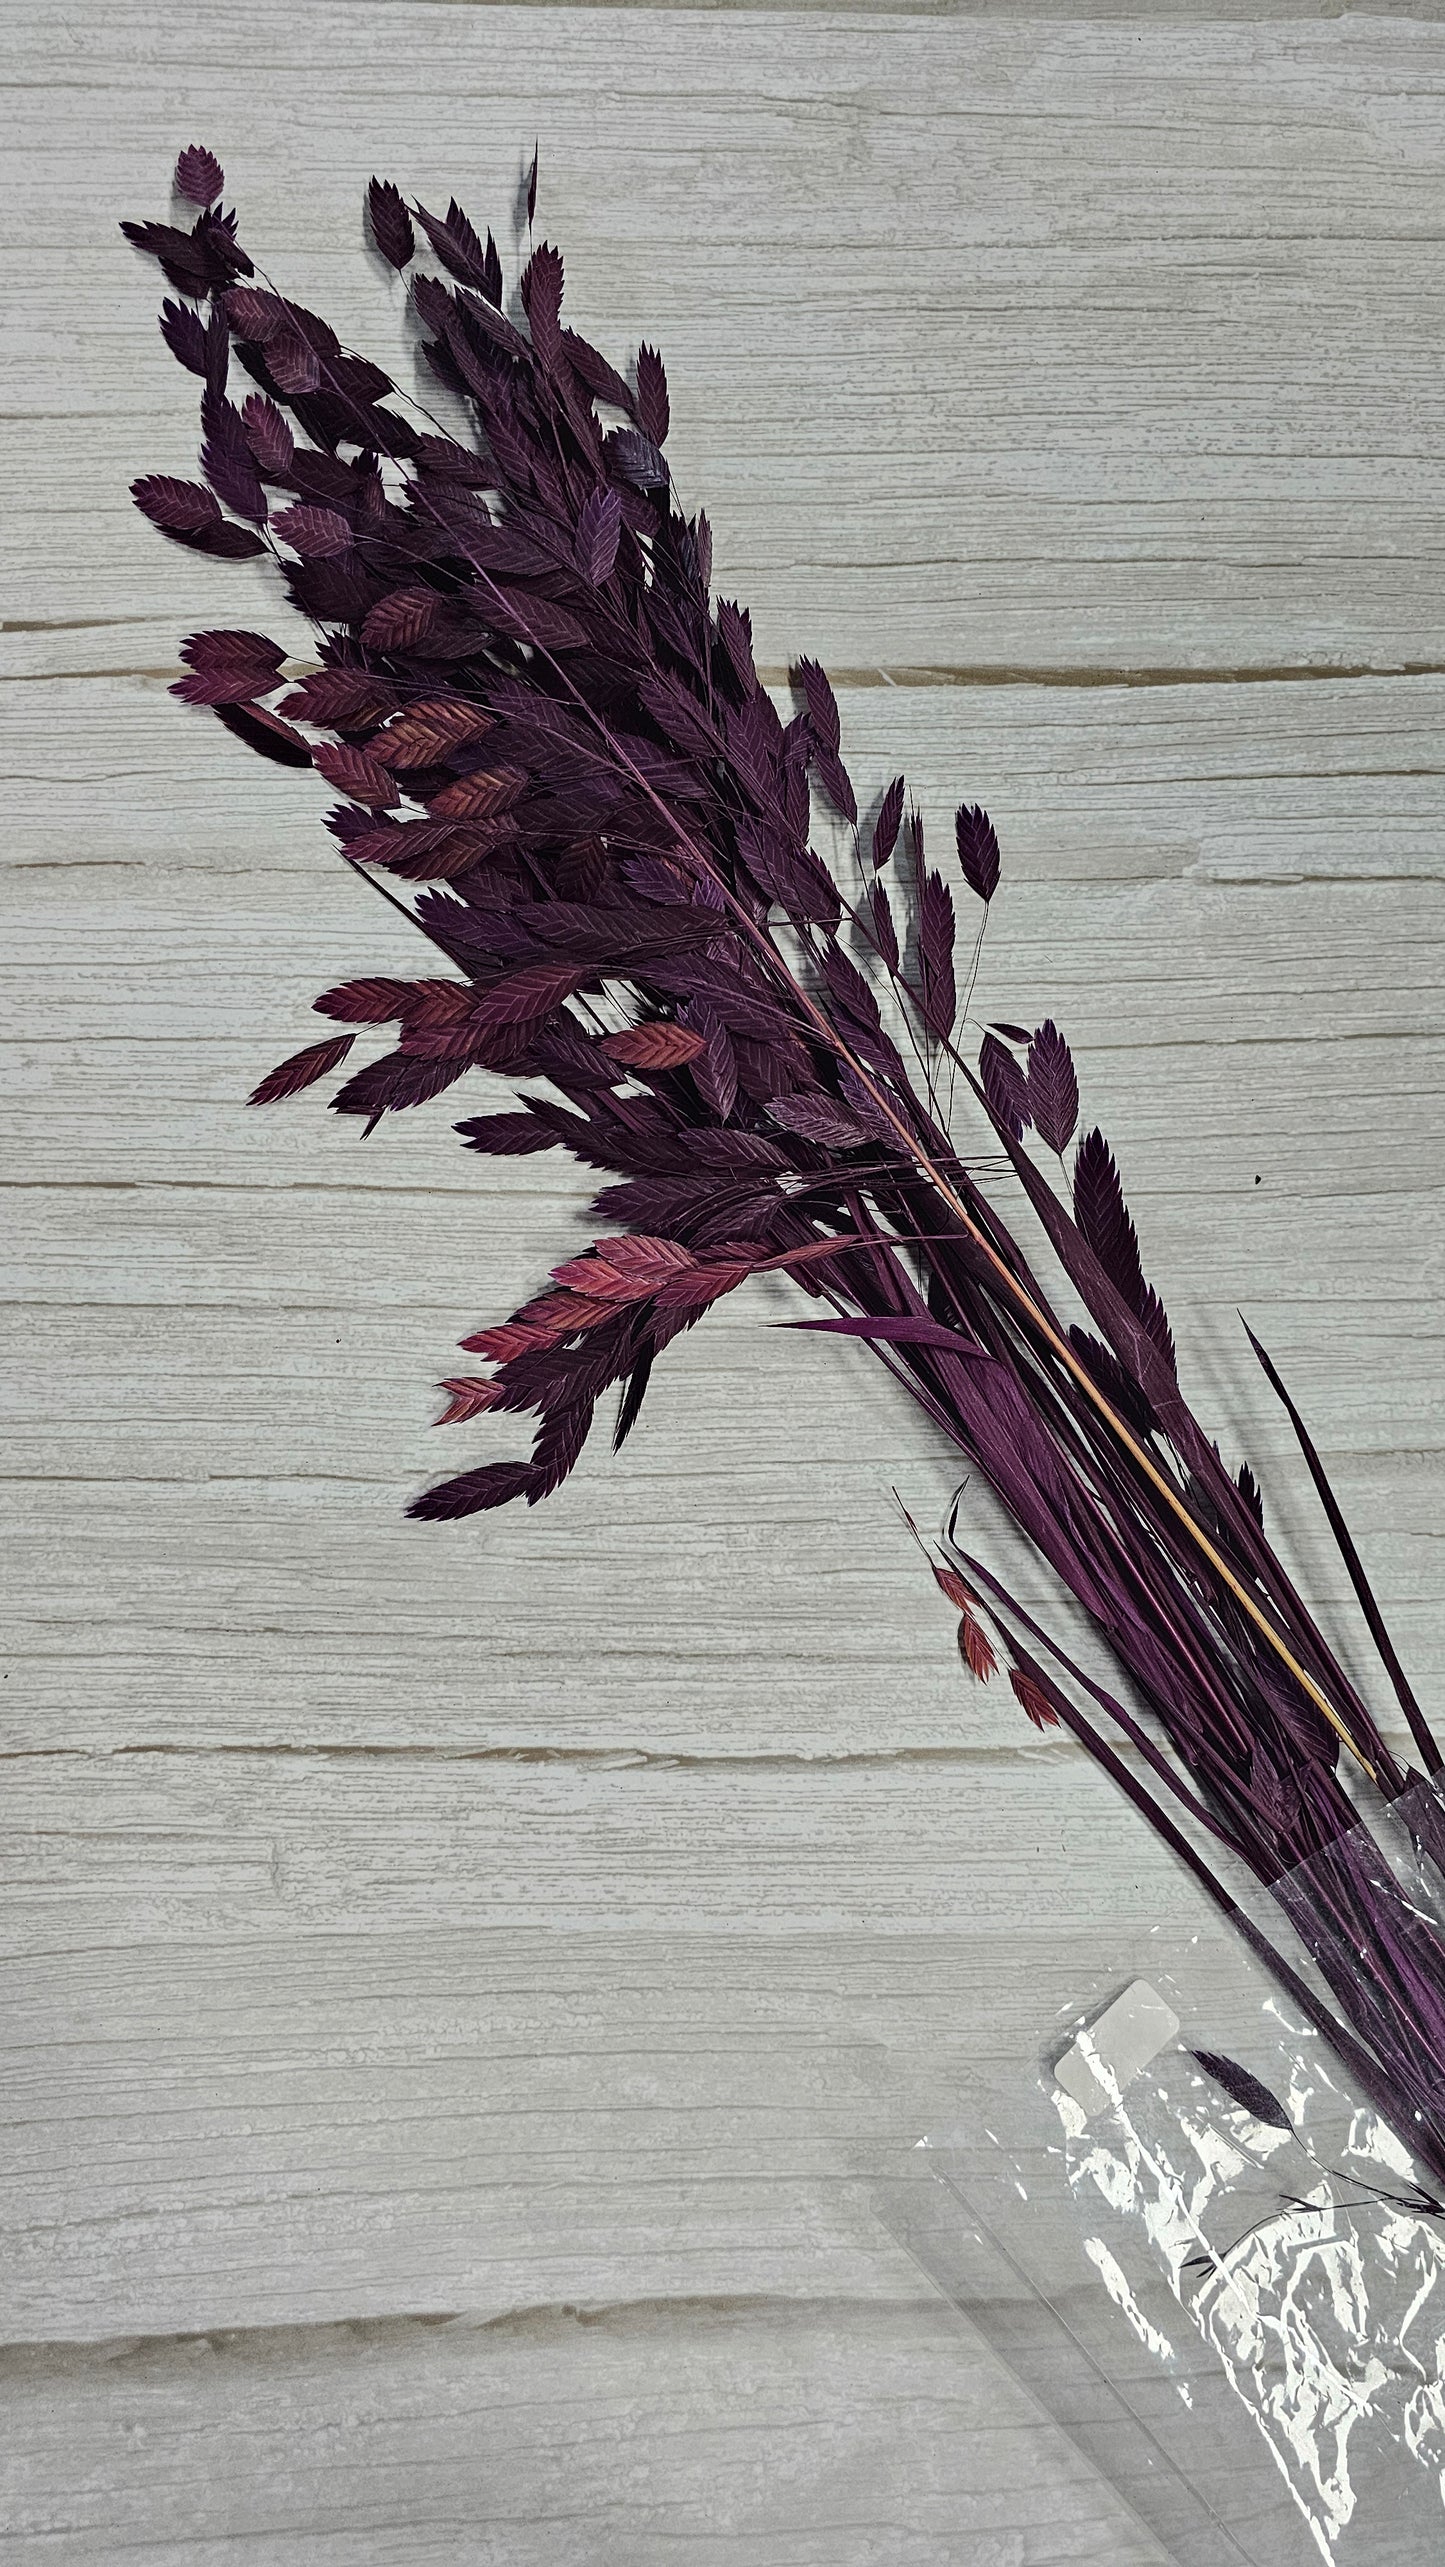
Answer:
(996, 344)
(766, 2430)
(458, 1987)
(386, 2116)
(1230, 895)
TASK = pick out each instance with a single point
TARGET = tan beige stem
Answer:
(1060, 1346)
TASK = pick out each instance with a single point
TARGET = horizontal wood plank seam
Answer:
(625, 1759)
(925, 675)
(1132, 13)
(628, 1759)
(540, 2317)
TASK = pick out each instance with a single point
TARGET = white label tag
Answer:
(1110, 2052)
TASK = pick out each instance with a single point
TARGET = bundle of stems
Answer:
(534, 709)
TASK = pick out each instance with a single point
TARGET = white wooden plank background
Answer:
(459, 1985)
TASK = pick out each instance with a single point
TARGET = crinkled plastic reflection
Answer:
(1226, 2280)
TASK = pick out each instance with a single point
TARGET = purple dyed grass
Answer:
(533, 706)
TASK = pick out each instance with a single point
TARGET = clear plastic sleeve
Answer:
(1211, 2255)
